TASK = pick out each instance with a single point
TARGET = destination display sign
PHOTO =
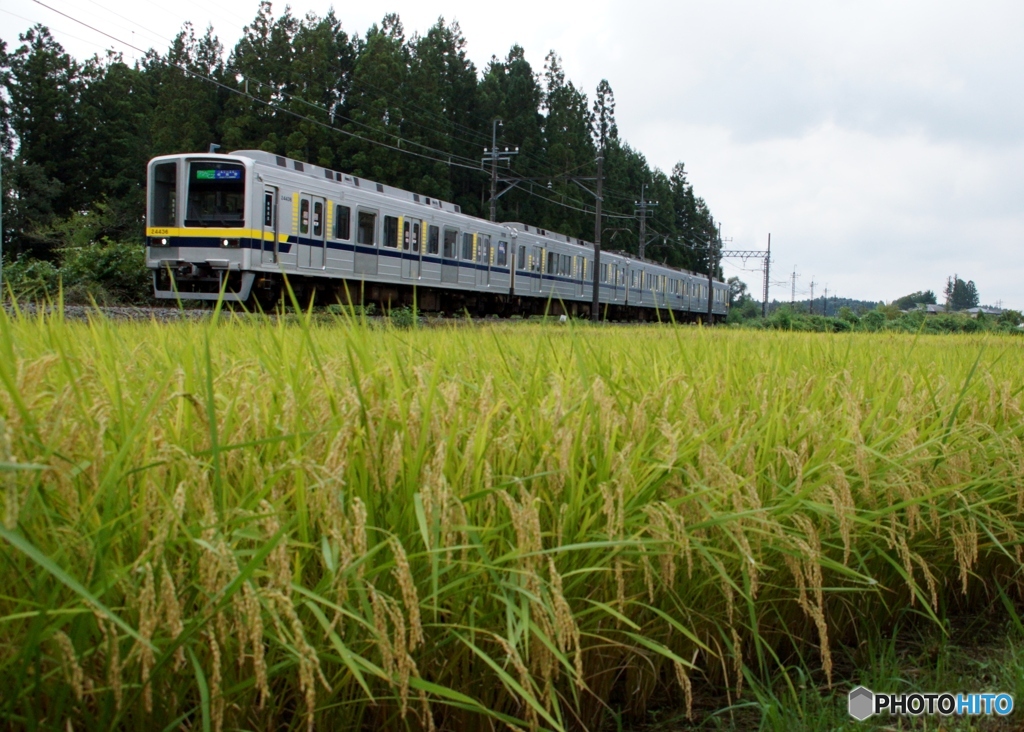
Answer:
(213, 174)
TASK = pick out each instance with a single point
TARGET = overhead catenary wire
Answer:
(239, 92)
(466, 162)
(443, 157)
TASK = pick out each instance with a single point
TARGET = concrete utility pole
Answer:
(810, 303)
(595, 304)
(1, 229)
(641, 209)
(824, 302)
(496, 157)
(792, 292)
(714, 247)
(767, 266)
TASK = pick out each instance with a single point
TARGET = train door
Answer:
(270, 226)
(411, 250)
(483, 260)
(312, 222)
(537, 268)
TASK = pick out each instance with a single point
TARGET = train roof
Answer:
(351, 181)
(345, 179)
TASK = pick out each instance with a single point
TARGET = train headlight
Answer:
(163, 242)
(229, 242)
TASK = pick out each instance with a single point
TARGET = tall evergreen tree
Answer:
(44, 85)
(442, 112)
(77, 134)
(116, 109)
(259, 66)
(375, 108)
(569, 148)
(188, 109)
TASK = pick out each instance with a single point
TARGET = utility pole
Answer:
(1, 228)
(595, 306)
(810, 303)
(824, 302)
(767, 265)
(496, 157)
(641, 209)
(713, 248)
(792, 292)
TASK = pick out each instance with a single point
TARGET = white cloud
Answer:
(880, 142)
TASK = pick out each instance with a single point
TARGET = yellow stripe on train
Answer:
(215, 233)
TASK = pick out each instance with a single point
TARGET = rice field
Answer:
(308, 524)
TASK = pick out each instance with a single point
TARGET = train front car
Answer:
(199, 227)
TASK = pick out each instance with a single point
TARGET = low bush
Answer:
(106, 272)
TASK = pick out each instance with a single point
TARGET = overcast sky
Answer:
(881, 143)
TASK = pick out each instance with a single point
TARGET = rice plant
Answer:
(258, 523)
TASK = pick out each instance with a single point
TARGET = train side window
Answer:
(367, 227)
(483, 249)
(537, 260)
(304, 217)
(406, 234)
(165, 194)
(521, 261)
(416, 237)
(467, 247)
(391, 232)
(268, 209)
(318, 219)
(451, 237)
(433, 240)
(552, 262)
(342, 222)
(502, 253)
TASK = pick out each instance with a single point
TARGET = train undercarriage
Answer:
(264, 291)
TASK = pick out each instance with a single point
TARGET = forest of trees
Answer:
(76, 136)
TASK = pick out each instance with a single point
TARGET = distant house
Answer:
(975, 312)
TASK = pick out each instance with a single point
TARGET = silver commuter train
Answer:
(251, 218)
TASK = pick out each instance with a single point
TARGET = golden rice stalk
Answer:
(380, 625)
(965, 546)
(114, 680)
(566, 627)
(525, 680)
(147, 625)
(277, 562)
(309, 661)
(72, 668)
(403, 575)
(171, 611)
(684, 683)
(216, 690)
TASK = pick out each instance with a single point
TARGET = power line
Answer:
(450, 159)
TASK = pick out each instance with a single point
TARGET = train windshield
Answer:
(216, 194)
